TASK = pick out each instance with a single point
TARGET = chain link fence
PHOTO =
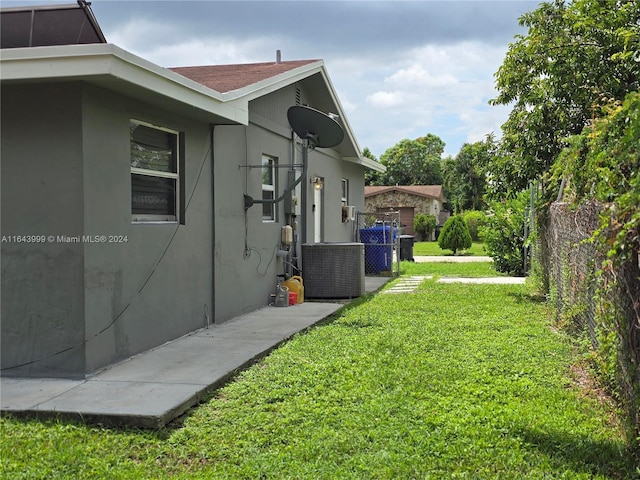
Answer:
(571, 261)
(379, 231)
(602, 302)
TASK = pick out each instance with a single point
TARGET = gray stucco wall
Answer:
(66, 173)
(245, 262)
(146, 284)
(42, 191)
(156, 285)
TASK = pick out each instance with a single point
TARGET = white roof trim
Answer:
(99, 61)
(367, 162)
(107, 60)
(269, 85)
(284, 79)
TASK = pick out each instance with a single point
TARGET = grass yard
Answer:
(453, 381)
(432, 248)
(449, 269)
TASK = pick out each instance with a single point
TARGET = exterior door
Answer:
(406, 219)
(317, 215)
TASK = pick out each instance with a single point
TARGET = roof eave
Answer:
(367, 162)
(271, 84)
(292, 76)
(97, 62)
(404, 190)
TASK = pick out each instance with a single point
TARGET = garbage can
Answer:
(406, 247)
(378, 248)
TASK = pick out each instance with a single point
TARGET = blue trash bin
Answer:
(378, 248)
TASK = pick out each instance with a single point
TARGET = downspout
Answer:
(213, 227)
(303, 212)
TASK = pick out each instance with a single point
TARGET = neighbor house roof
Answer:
(227, 78)
(427, 191)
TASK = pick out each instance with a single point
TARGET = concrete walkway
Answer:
(485, 280)
(407, 284)
(151, 389)
(453, 259)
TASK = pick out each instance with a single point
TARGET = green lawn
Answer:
(432, 248)
(453, 381)
(449, 269)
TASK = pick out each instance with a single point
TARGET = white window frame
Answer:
(175, 176)
(345, 192)
(269, 190)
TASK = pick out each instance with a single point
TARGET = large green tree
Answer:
(463, 175)
(575, 57)
(412, 162)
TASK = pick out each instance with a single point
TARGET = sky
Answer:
(401, 69)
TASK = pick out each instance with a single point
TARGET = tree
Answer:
(370, 176)
(475, 220)
(425, 225)
(603, 164)
(455, 235)
(412, 162)
(574, 57)
(463, 175)
(503, 234)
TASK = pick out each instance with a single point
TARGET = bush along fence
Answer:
(589, 248)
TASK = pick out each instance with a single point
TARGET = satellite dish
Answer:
(311, 124)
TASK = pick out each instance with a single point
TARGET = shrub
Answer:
(475, 220)
(424, 225)
(455, 235)
(503, 234)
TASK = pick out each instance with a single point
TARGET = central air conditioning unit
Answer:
(333, 270)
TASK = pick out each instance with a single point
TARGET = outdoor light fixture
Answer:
(316, 181)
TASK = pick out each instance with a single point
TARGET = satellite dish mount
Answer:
(316, 129)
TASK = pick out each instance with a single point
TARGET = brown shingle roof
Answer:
(433, 191)
(226, 78)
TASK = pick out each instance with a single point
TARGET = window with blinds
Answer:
(155, 173)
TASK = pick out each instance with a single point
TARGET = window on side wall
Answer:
(269, 187)
(345, 192)
(156, 165)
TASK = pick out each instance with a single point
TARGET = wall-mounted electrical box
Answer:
(291, 200)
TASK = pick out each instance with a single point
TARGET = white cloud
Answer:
(385, 99)
(388, 94)
(162, 44)
(440, 89)
(416, 76)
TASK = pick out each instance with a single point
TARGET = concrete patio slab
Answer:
(153, 388)
(20, 393)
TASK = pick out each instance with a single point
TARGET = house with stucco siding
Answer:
(124, 187)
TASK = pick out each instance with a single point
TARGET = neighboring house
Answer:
(123, 195)
(409, 200)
